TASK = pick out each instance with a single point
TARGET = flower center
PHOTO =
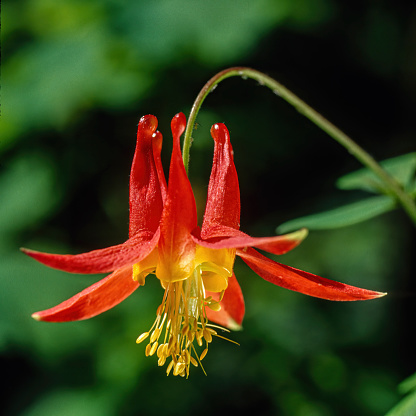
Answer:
(180, 323)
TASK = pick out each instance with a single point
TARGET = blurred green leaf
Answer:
(73, 403)
(28, 191)
(62, 74)
(340, 217)
(207, 33)
(408, 385)
(412, 189)
(402, 168)
(406, 407)
(105, 53)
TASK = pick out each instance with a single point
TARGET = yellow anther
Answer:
(160, 350)
(179, 367)
(155, 335)
(165, 350)
(200, 333)
(194, 362)
(199, 338)
(168, 370)
(207, 336)
(147, 350)
(204, 353)
(142, 337)
(215, 306)
(161, 361)
(153, 349)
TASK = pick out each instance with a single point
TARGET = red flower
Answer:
(194, 265)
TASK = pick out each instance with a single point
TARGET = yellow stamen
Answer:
(180, 320)
(142, 337)
(204, 353)
(169, 367)
(153, 349)
(207, 336)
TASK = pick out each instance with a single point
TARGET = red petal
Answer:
(225, 237)
(94, 300)
(303, 282)
(223, 201)
(145, 192)
(176, 246)
(232, 306)
(103, 260)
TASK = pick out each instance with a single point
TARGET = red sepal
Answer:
(94, 300)
(220, 236)
(102, 260)
(303, 282)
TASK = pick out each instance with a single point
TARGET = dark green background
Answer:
(78, 75)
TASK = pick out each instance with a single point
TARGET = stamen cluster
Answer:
(182, 318)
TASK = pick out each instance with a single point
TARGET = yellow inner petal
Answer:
(215, 260)
(214, 282)
(145, 267)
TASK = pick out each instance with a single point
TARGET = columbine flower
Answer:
(194, 265)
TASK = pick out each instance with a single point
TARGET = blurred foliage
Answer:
(408, 405)
(77, 76)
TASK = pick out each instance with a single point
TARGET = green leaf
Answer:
(408, 385)
(342, 216)
(406, 407)
(402, 168)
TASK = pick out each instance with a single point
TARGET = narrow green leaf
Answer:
(402, 168)
(342, 216)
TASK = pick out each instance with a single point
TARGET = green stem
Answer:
(392, 186)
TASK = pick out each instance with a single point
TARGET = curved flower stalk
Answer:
(194, 264)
